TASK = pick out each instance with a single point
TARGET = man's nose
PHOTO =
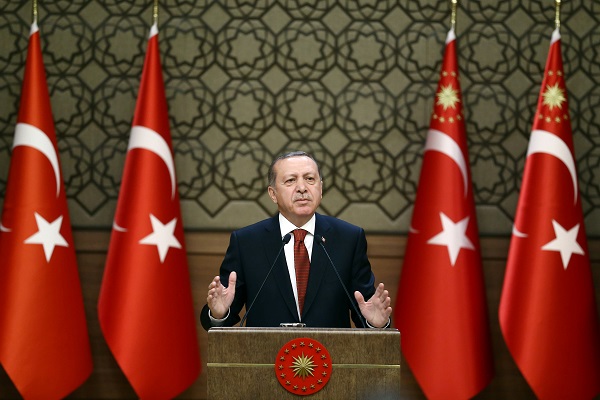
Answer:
(301, 186)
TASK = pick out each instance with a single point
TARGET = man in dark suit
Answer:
(295, 185)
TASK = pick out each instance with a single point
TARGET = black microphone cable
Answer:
(284, 241)
(321, 240)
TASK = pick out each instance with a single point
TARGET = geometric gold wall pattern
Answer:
(350, 81)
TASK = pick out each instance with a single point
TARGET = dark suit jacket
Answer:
(253, 249)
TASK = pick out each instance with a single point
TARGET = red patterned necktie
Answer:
(302, 265)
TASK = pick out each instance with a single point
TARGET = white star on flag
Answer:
(162, 236)
(48, 235)
(453, 235)
(565, 243)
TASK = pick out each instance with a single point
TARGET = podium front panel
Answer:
(365, 363)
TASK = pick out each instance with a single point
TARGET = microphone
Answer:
(284, 241)
(321, 240)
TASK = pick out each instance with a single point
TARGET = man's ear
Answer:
(272, 194)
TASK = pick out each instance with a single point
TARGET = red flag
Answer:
(145, 306)
(547, 311)
(44, 343)
(441, 307)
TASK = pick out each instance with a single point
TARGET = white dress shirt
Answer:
(287, 227)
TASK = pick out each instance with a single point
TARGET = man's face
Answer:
(297, 190)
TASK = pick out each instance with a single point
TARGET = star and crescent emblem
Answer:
(453, 234)
(554, 101)
(48, 232)
(544, 142)
(163, 234)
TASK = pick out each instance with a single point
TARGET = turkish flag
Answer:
(44, 343)
(547, 310)
(441, 306)
(145, 307)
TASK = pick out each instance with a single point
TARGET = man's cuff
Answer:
(217, 321)
(371, 326)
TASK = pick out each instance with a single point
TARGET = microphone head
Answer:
(286, 238)
(320, 238)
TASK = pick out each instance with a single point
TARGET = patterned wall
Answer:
(352, 81)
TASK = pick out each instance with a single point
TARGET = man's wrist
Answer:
(387, 325)
(218, 321)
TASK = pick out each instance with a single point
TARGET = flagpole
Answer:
(155, 13)
(34, 10)
(453, 18)
(557, 18)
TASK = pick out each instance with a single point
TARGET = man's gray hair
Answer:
(272, 176)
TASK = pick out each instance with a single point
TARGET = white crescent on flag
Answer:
(31, 136)
(147, 139)
(549, 143)
(544, 142)
(443, 143)
(118, 228)
(518, 233)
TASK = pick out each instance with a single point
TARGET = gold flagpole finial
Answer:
(557, 18)
(34, 8)
(155, 13)
(453, 20)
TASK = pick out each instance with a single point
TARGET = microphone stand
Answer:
(320, 239)
(284, 241)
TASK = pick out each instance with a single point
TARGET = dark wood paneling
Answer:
(206, 250)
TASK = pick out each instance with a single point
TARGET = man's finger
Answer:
(232, 279)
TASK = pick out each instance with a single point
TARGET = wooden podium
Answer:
(244, 363)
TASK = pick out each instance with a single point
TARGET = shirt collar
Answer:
(287, 227)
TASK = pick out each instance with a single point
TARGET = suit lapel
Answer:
(272, 244)
(318, 265)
